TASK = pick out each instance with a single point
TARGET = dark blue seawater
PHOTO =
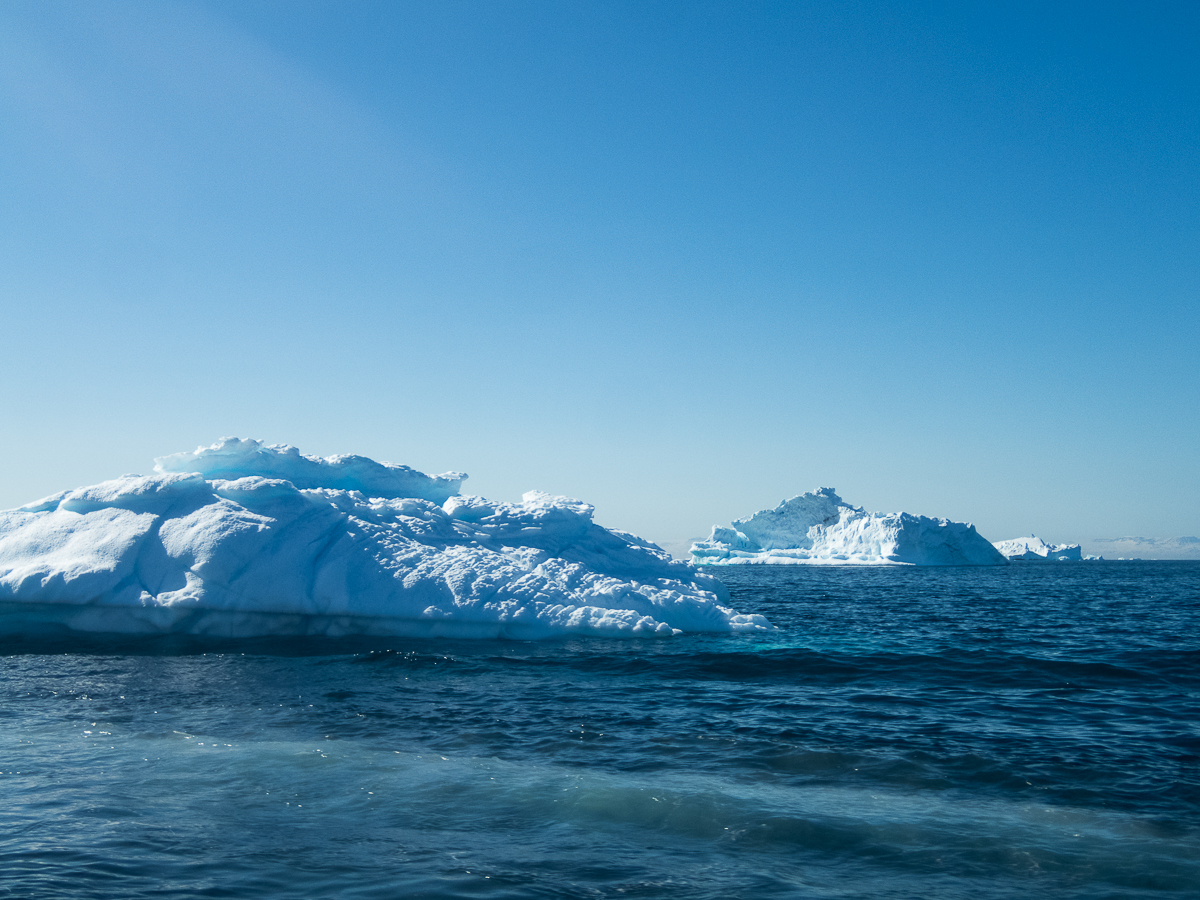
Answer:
(1030, 731)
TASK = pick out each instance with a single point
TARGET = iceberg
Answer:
(819, 528)
(245, 539)
(1034, 549)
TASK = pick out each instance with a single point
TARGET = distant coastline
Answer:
(1187, 547)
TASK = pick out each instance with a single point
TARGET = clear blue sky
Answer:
(681, 260)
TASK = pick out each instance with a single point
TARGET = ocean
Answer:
(1025, 731)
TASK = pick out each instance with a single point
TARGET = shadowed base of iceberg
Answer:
(781, 559)
(50, 620)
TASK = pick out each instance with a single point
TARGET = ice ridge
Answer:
(819, 528)
(245, 539)
(232, 458)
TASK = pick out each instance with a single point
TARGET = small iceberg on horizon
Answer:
(819, 528)
(1131, 547)
(245, 539)
(1034, 549)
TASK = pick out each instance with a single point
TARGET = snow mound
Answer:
(242, 539)
(819, 528)
(1034, 549)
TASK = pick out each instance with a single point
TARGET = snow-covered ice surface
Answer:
(819, 528)
(244, 539)
(231, 459)
(1034, 549)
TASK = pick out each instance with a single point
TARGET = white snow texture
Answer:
(243, 539)
(1034, 549)
(819, 528)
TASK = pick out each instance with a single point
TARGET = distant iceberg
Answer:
(819, 528)
(244, 539)
(1034, 549)
(1187, 547)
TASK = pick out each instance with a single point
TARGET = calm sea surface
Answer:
(1031, 731)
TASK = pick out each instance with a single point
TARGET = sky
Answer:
(679, 260)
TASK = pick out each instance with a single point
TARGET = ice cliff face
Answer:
(819, 528)
(243, 539)
(1033, 548)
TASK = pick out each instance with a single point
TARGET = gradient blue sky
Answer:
(680, 260)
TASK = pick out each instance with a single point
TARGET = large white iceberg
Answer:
(819, 528)
(244, 539)
(1034, 549)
